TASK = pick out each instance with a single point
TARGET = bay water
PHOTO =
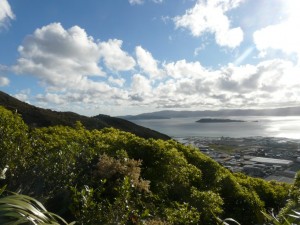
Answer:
(271, 126)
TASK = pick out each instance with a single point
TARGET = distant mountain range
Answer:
(167, 114)
(39, 117)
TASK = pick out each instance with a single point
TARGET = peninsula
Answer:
(214, 120)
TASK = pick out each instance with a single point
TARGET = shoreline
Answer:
(270, 158)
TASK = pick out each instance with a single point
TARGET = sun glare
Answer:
(284, 35)
(291, 8)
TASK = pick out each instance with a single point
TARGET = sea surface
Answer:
(274, 126)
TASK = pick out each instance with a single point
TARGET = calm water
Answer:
(288, 127)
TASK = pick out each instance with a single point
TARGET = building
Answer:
(272, 161)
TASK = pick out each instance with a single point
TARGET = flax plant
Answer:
(20, 209)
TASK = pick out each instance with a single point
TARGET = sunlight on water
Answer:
(273, 129)
(286, 127)
(289, 135)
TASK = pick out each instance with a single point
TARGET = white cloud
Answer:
(67, 63)
(230, 38)
(65, 60)
(4, 81)
(140, 84)
(147, 63)
(267, 84)
(158, 1)
(166, 19)
(188, 85)
(209, 16)
(199, 49)
(141, 90)
(136, 2)
(6, 13)
(117, 81)
(23, 95)
(59, 58)
(181, 69)
(283, 36)
(52, 98)
(114, 57)
(140, 2)
(88, 102)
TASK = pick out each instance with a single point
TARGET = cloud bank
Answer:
(79, 72)
(67, 64)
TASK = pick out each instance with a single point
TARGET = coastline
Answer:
(270, 158)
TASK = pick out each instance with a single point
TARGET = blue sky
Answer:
(120, 57)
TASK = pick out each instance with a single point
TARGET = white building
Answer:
(272, 161)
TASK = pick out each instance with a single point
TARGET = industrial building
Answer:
(272, 161)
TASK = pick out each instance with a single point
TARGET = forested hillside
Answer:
(110, 176)
(39, 117)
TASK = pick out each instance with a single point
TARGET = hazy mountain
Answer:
(39, 117)
(288, 111)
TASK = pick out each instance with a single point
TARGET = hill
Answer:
(288, 111)
(39, 117)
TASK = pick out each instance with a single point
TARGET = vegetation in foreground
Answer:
(22, 209)
(114, 177)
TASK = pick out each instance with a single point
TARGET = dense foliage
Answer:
(292, 208)
(113, 177)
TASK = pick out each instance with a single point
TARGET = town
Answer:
(269, 158)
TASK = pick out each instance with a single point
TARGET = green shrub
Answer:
(14, 147)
